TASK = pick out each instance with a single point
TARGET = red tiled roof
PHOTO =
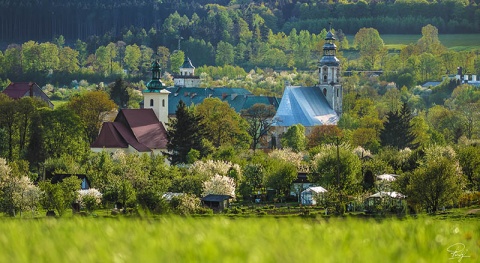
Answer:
(109, 137)
(17, 90)
(139, 128)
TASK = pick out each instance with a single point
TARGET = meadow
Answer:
(236, 239)
(457, 42)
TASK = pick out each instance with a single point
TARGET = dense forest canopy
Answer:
(38, 20)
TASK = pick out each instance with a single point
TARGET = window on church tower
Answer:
(151, 102)
(163, 103)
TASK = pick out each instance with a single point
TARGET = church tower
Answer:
(329, 74)
(187, 76)
(156, 96)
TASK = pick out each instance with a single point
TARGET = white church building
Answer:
(317, 105)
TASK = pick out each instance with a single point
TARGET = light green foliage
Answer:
(225, 54)
(60, 196)
(469, 159)
(371, 47)
(438, 181)
(337, 164)
(91, 107)
(294, 138)
(132, 58)
(223, 126)
(176, 60)
(279, 176)
(253, 180)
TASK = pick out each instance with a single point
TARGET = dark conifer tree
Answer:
(397, 130)
(119, 93)
(184, 134)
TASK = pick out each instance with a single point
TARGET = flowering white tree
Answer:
(17, 193)
(292, 157)
(221, 185)
(25, 195)
(89, 198)
(211, 167)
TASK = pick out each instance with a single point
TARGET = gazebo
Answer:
(309, 194)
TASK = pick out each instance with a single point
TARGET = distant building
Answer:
(187, 88)
(139, 130)
(317, 105)
(187, 76)
(17, 90)
(237, 98)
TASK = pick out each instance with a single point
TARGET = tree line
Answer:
(213, 21)
(230, 65)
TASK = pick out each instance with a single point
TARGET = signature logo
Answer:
(457, 251)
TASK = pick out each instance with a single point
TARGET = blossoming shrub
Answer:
(90, 198)
(220, 185)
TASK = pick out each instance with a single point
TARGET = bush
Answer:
(186, 204)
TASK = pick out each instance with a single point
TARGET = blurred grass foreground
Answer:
(223, 239)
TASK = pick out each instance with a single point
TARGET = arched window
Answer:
(325, 92)
(163, 103)
(151, 102)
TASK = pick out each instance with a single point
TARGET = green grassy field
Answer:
(452, 41)
(224, 239)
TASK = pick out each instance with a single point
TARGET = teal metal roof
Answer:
(237, 98)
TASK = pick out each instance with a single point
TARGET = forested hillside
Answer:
(223, 20)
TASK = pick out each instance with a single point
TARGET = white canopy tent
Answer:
(387, 194)
(308, 195)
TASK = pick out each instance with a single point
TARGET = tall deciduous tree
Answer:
(184, 134)
(7, 121)
(176, 60)
(132, 58)
(469, 159)
(337, 166)
(58, 132)
(280, 176)
(438, 181)
(323, 134)
(92, 107)
(294, 138)
(371, 46)
(429, 42)
(259, 117)
(61, 195)
(225, 54)
(223, 126)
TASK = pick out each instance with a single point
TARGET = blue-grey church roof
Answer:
(306, 106)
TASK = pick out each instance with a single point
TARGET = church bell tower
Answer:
(329, 74)
(156, 96)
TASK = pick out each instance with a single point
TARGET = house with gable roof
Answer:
(317, 105)
(139, 130)
(17, 90)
